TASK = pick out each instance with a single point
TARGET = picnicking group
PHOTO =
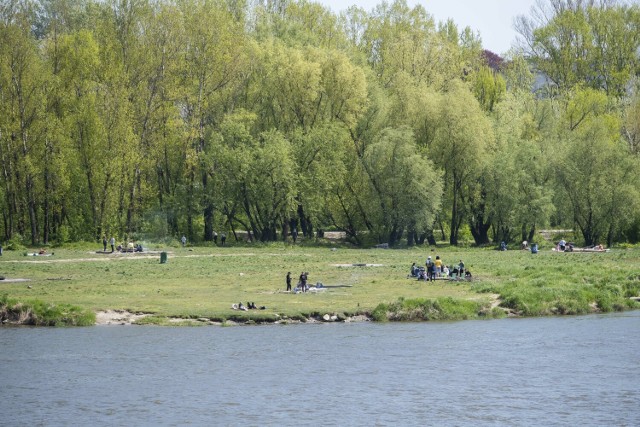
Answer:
(302, 285)
(436, 269)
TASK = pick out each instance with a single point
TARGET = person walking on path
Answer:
(113, 244)
(289, 281)
(184, 241)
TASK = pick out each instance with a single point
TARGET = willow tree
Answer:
(462, 135)
(259, 186)
(405, 190)
(520, 170)
(214, 59)
(583, 42)
(599, 181)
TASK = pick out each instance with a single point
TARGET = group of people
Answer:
(524, 246)
(563, 246)
(112, 242)
(302, 285)
(249, 306)
(435, 269)
(131, 247)
(223, 239)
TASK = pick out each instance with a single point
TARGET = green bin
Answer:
(163, 257)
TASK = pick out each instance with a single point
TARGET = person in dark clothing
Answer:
(431, 269)
(414, 270)
(223, 238)
(104, 243)
(303, 281)
(289, 281)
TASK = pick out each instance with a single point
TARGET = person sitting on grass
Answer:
(562, 244)
(445, 271)
(414, 270)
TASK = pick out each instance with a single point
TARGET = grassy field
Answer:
(203, 282)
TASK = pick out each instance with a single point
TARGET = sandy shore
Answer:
(121, 317)
(117, 317)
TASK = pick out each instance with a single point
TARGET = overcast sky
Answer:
(493, 19)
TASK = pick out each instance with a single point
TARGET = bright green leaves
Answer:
(589, 44)
(489, 88)
(404, 188)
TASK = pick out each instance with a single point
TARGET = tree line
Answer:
(158, 118)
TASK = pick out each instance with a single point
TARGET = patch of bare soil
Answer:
(117, 317)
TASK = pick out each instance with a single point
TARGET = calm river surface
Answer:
(543, 371)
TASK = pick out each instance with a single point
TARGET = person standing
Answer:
(303, 281)
(294, 234)
(113, 244)
(461, 269)
(431, 269)
(289, 281)
(438, 264)
(223, 238)
(104, 243)
(215, 238)
(184, 241)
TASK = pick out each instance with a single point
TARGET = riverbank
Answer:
(200, 285)
(125, 318)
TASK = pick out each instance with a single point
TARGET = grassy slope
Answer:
(205, 281)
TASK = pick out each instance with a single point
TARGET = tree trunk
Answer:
(453, 235)
(431, 238)
(411, 238)
(33, 221)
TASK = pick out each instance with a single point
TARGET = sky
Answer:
(493, 19)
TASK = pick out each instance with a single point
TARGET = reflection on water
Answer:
(545, 371)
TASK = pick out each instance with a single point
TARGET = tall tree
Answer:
(461, 139)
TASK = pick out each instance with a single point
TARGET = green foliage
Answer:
(168, 118)
(426, 309)
(39, 313)
(584, 42)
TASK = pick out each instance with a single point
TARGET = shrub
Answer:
(38, 313)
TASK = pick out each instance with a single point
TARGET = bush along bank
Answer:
(38, 313)
(545, 300)
(445, 308)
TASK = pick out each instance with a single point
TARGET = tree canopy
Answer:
(154, 119)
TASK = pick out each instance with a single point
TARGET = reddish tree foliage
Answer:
(493, 60)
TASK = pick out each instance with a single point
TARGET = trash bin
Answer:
(163, 257)
(534, 248)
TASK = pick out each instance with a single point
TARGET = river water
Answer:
(513, 372)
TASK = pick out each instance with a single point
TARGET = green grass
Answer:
(203, 282)
(39, 313)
